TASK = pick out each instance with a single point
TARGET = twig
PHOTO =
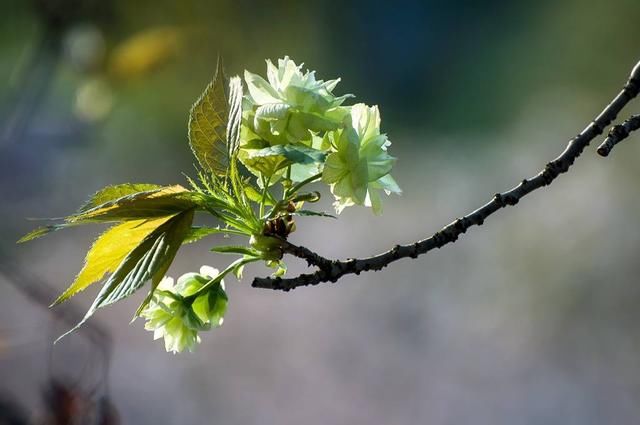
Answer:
(618, 133)
(334, 270)
(306, 254)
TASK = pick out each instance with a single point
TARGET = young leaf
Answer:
(273, 158)
(313, 213)
(114, 192)
(148, 261)
(235, 115)
(253, 194)
(161, 202)
(198, 232)
(207, 126)
(236, 249)
(108, 251)
(41, 231)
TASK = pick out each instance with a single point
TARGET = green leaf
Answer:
(208, 126)
(114, 192)
(41, 231)
(108, 251)
(254, 195)
(198, 232)
(312, 213)
(167, 200)
(235, 116)
(149, 260)
(162, 202)
(236, 249)
(273, 158)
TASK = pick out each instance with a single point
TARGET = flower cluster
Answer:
(291, 106)
(290, 130)
(178, 312)
(314, 133)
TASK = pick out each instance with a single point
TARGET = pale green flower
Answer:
(210, 307)
(291, 105)
(170, 316)
(360, 165)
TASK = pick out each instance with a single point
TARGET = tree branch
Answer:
(332, 270)
(618, 133)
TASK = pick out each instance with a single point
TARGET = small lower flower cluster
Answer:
(178, 312)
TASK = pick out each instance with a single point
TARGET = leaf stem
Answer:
(238, 263)
(265, 190)
(297, 187)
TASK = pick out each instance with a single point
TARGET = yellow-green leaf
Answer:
(149, 260)
(161, 202)
(165, 201)
(109, 250)
(111, 193)
(40, 232)
(208, 126)
(235, 116)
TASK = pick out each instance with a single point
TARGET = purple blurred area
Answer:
(530, 319)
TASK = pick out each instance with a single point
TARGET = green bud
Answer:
(268, 246)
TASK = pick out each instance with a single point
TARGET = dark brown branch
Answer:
(306, 254)
(618, 133)
(334, 270)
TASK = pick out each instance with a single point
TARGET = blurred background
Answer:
(529, 319)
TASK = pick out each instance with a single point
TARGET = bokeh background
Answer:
(530, 319)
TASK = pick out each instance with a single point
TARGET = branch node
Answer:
(461, 225)
(439, 239)
(498, 198)
(632, 87)
(598, 128)
(550, 172)
(414, 251)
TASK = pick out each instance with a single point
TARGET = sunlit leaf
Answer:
(114, 192)
(41, 231)
(235, 115)
(161, 202)
(149, 260)
(208, 126)
(109, 250)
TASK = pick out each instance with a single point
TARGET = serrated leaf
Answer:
(161, 202)
(235, 116)
(149, 260)
(40, 232)
(114, 192)
(236, 249)
(208, 125)
(167, 200)
(108, 251)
